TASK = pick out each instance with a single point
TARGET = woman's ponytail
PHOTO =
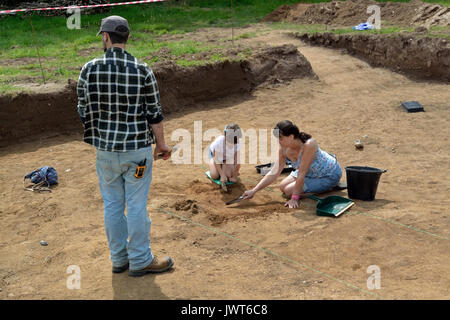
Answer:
(304, 137)
(286, 128)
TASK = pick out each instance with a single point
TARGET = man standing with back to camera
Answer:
(119, 106)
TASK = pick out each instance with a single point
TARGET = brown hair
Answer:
(232, 133)
(286, 128)
(118, 38)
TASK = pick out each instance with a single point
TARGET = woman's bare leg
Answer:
(287, 187)
(235, 172)
(286, 181)
(228, 170)
(213, 169)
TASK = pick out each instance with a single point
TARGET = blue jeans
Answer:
(119, 187)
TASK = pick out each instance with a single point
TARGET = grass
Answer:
(246, 35)
(64, 51)
(307, 28)
(148, 22)
(217, 57)
(7, 89)
(434, 32)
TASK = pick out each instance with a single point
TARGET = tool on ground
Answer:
(235, 200)
(223, 186)
(332, 206)
(140, 169)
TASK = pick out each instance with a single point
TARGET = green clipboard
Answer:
(217, 181)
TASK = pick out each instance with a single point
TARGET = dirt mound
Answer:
(186, 205)
(217, 80)
(353, 12)
(432, 15)
(280, 63)
(209, 205)
(57, 3)
(427, 58)
(180, 88)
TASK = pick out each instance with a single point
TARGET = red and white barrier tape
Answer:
(81, 7)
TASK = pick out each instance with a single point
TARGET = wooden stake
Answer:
(37, 48)
(232, 23)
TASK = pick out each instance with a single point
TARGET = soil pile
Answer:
(353, 12)
(180, 88)
(58, 3)
(426, 58)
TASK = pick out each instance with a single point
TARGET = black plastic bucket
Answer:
(362, 182)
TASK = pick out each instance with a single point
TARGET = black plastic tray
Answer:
(412, 106)
(263, 167)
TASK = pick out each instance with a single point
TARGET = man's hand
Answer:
(163, 148)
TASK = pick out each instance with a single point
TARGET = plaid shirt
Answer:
(118, 99)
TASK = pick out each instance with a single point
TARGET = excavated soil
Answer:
(255, 249)
(11, 4)
(353, 12)
(414, 54)
(411, 54)
(180, 89)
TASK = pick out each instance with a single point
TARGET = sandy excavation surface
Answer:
(256, 249)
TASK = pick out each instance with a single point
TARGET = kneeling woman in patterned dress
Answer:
(316, 170)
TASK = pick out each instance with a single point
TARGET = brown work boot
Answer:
(155, 266)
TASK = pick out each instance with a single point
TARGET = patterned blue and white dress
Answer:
(323, 174)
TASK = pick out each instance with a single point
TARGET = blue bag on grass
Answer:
(363, 26)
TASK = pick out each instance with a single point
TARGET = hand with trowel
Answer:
(316, 170)
(224, 156)
(163, 152)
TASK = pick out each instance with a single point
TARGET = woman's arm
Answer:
(308, 154)
(307, 158)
